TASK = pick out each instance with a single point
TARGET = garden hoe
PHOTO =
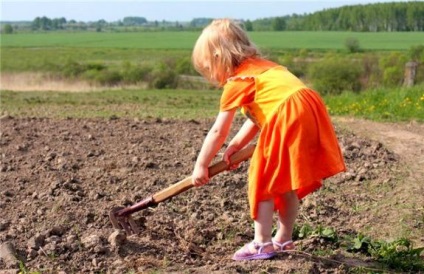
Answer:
(121, 216)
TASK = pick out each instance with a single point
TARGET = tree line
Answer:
(401, 16)
(395, 16)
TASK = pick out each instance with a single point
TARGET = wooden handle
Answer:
(215, 169)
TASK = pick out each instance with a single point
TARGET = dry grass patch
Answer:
(32, 81)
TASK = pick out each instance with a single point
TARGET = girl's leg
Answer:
(263, 227)
(263, 224)
(287, 215)
(263, 233)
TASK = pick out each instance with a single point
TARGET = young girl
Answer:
(296, 148)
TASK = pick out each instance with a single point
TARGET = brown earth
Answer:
(60, 178)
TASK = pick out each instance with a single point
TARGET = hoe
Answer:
(120, 217)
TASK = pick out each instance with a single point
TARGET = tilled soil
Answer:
(60, 178)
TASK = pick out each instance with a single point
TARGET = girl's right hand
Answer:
(200, 176)
(229, 151)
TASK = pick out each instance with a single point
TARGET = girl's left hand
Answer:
(227, 154)
(200, 176)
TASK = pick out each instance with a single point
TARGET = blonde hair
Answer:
(221, 47)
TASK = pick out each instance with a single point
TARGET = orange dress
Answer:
(297, 146)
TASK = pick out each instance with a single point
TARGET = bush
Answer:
(393, 76)
(73, 69)
(109, 78)
(393, 68)
(164, 76)
(371, 76)
(8, 29)
(352, 45)
(416, 53)
(332, 75)
(297, 67)
(184, 66)
(134, 74)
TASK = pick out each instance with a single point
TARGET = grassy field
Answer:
(46, 52)
(185, 40)
(380, 105)
(48, 59)
(396, 104)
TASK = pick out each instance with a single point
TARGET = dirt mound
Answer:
(60, 178)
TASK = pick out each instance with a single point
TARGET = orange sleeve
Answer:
(236, 93)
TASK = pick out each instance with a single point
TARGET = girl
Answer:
(296, 148)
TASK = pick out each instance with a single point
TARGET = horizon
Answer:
(171, 10)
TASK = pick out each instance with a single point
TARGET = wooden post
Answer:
(410, 74)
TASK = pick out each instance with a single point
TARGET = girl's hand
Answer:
(227, 154)
(200, 176)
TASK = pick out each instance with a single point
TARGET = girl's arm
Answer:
(246, 133)
(211, 145)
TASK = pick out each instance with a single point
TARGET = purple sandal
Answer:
(244, 253)
(282, 247)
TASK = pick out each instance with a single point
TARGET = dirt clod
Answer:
(117, 238)
(8, 255)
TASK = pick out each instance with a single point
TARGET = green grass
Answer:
(185, 40)
(49, 52)
(395, 104)
(173, 104)
(49, 59)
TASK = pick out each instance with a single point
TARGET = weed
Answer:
(24, 270)
(399, 254)
(305, 231)
(360, 243)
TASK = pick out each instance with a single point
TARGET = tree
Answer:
(8, 29)
(200, 22)
(278, 24)
(134, 21)
(248, 25)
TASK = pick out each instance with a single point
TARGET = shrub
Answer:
(103, 77)
(393, 67)
(132, 74)
(108, 77)
(371, 76)
(392, 76)
(95, 66)
(297, 67)
(352, 45)
(163, 76)
(73, 69)
(416, 53)
(332, 75)
(8, 29)
(184, 66)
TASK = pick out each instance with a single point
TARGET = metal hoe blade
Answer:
(123, 222)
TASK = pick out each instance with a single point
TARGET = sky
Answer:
(176, 10)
